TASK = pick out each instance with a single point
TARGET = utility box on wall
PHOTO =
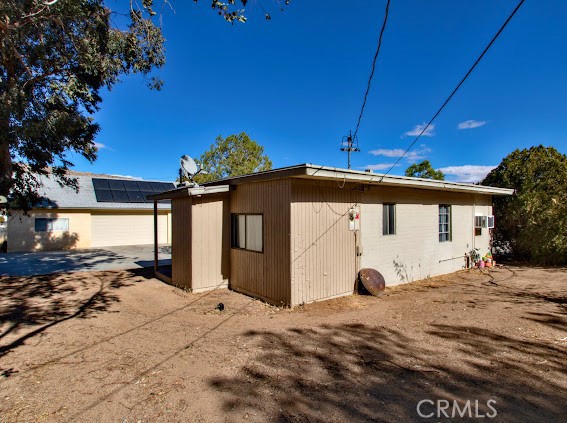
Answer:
(354, 219)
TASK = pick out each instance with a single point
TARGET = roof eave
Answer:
(311, 171)
(321, 172)
(189, 192)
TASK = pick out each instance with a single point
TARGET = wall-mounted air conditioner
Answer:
(484, 221)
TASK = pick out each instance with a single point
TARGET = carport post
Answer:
(155, 236)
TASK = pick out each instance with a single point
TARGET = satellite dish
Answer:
(188, 167)
(188, 170)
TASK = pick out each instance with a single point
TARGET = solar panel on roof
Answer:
(145, 195)
(145, 186)
(127, 191)
(100, 183)
(157, 187)
(116, 184)
(167, 186)
(103, 195)
(120, 196)
(131, 186)
(135, 197)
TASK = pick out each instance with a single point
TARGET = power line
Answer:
(373, 68)
(457, 88)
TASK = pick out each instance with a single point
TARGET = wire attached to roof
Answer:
(457, 88)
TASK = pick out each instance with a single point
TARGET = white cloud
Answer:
(471, 124)
(386, 152)
(380, 166)
(418, 128)
(411, 156)
(467, 173)
(100, 145)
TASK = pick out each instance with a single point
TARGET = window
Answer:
(247, 232)
(43, 224)
(388, 219)
(444, 223)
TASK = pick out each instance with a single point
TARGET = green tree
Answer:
(55, 58)
(232, 156)
(534, 220)
(424, 170)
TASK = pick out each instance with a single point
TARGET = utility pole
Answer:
(349, 145)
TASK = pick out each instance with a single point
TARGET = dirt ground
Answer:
(123, 347)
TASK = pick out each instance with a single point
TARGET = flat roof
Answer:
(317, 172)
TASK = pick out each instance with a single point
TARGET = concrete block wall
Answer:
(415, 252)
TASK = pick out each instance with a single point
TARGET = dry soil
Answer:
(123, 347)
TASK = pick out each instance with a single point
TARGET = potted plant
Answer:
(475, 256)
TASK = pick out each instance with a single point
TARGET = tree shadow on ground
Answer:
(46, 262)
(357, 372)
(31, 305)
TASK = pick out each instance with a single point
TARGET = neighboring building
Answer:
(106, 211)
(301, 234)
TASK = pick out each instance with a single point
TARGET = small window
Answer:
(444, 223)
(247, 232)
(43, 224)
(389, 219)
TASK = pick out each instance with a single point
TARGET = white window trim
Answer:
(232, 229)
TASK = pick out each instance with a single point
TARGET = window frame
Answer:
(233, 217)
(386, 219)
(449, 223)
(49, 223)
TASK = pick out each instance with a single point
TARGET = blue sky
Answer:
(295, 84)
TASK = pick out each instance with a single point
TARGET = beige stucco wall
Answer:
(415, 252)
(22, 235)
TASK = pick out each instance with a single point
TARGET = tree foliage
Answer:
(534, 220)
(424, 170)
(55, 58)
(232, 156)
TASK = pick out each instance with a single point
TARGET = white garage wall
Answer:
(415, 252)
(127, 229)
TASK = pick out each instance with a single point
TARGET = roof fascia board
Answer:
(189, 192)
(321, 172)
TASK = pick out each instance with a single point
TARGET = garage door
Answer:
(118, 229)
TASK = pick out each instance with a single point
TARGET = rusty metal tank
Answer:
(372, 281)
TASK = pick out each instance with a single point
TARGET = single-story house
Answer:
(301, 234)
(106, 211)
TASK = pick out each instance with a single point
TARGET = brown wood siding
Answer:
(181, 242)
(323, 255)
(210, 242)
(267, 274)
